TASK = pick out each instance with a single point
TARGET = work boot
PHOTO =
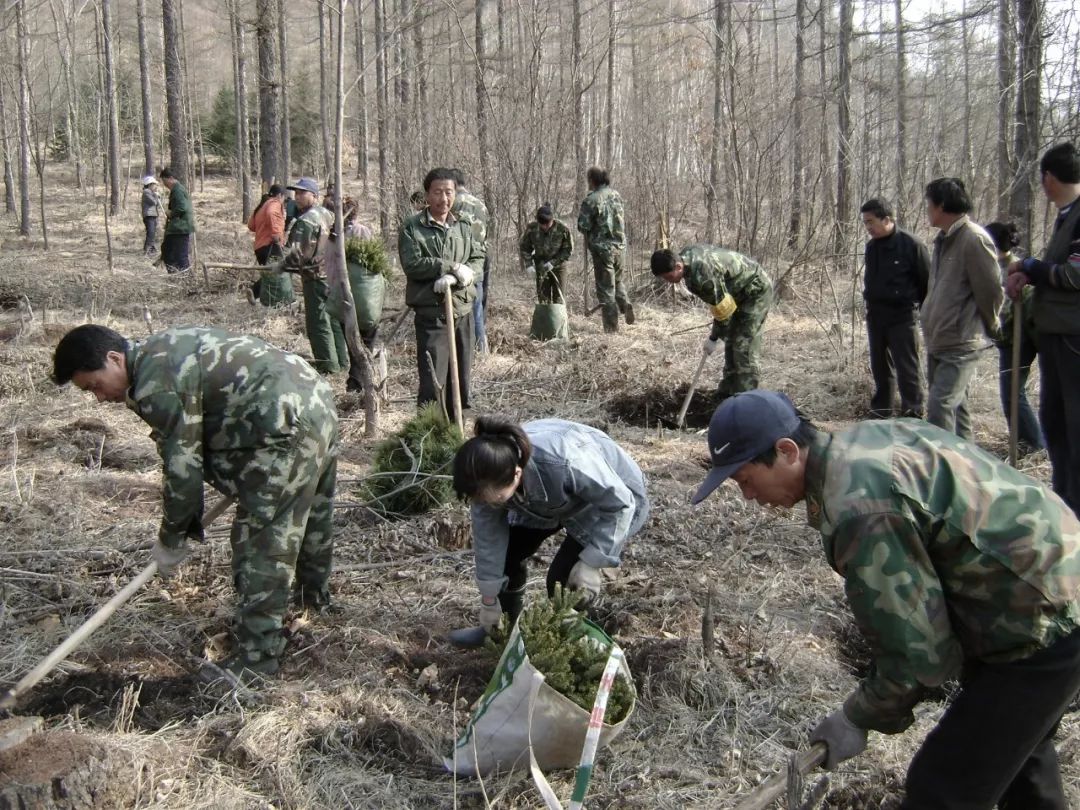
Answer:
(512, 603)
(628, 313)
(610, 316)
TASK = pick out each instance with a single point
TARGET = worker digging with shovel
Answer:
(255, 422)
(739, 295)
(955, 565)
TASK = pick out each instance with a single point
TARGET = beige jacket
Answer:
(965, 294)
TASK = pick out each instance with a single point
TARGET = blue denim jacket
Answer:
(577, 479)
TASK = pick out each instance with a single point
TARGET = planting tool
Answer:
(53, 659)
(681, 420)
(776, 785)
(1014, 392)
(451, 338)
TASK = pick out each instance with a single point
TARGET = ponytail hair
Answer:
(490, 458)
(1005, 235)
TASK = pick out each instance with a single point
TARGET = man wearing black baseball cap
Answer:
(954, 565)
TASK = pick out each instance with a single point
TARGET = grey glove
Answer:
(547, 267)
(709, 346)
(490, 612)
(168, 558)
(443, 283)
(584, 577)
(843, 738)
(530, 268)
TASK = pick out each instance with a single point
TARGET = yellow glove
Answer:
(725, 309)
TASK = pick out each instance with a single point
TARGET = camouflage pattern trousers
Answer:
(325, 332)
(610, 292)
(741, 334)
(282, 537)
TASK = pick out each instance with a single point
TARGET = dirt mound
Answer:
(661, 405)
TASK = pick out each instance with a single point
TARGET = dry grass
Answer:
(348, 724)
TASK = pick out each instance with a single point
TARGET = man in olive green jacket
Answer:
(440, 257)
(176, 244)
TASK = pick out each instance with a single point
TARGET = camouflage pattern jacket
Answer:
(428, 250)
(711, 272)
(947, 554)
(471, 209)
(211, 397)
(181, 216)
(554, 245)
(305, 251)
(601, 219)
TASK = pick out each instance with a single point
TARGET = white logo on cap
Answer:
(718, 450)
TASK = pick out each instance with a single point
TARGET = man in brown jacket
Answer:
(961, 306)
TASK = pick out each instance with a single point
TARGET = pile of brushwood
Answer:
(412, 469)
(569, 651)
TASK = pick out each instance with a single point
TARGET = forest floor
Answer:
(350, 722)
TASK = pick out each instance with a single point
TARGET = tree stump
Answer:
(62, 770)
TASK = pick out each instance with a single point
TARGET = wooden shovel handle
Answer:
(776, 785)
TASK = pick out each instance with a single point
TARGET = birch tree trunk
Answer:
(286, 127)
(269, 115)
(901, 111)
(240, 89)
(1006, 81)
(5, 142)
(24, 117)
(1029, 18)
(324, 93)
(382, 102)
(844, 127)
(609, 124)
(798, 169)
(144, 86)
(110, 104)
(361, 101)
(578, 91)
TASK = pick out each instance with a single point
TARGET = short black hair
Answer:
(663, 262)
(440, 173)
(803, 436)
(275, 190)
(544, 213)
(949, 194)
(167, 173)
(598, 177)
(878, 207)
(489, 459)
(459, 177)
(84, 348)
(1063, 162)
(1006, 235)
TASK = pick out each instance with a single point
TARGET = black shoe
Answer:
(628, 314)
(910, 414)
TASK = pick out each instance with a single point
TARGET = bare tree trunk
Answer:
(174, 94)
(844, 127)
(1029, 17)
(324, 93)
(798, 168)
(65, 45)
(269, 136)
(358, 353)
(609, 125)
(382, 102)
(110, 103)
(240, 90)
(420, 96)
(1006, 76)
(901, 111)
(361, 101)
(286, 128)
(966, 149)
(578, 91)
(5, 146)
(24, 118)
(144, 85)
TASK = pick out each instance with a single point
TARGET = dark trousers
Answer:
(549, 285)
(175, 252)
(524, 543)
(994, 744)
(1059, 412)
(432, 339)
(480, 308)
(1028, 432)
(149, 243)
(893, 336)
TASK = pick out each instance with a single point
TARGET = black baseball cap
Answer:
(741, 429)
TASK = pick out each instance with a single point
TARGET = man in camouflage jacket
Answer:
(601, 223)
(546, 247)
(256, 423)
(440, 257)
(739, 295)
(471, 209)
(954, 565)
(305, 253)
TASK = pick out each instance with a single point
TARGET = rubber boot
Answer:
(628, 313)
(610, 315)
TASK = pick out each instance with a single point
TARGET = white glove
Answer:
(490, 614)
(168, 558)
(530, 268)
(583, 577)
(843, 738)
(709, 346)
(464, 274)
(444, 283)
(548, 267)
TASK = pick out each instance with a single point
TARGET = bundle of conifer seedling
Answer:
(569, 651)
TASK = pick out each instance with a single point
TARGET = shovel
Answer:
(776, 786)
(1014, 392)
(451, 338)
(53, 659)
(681, 420)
